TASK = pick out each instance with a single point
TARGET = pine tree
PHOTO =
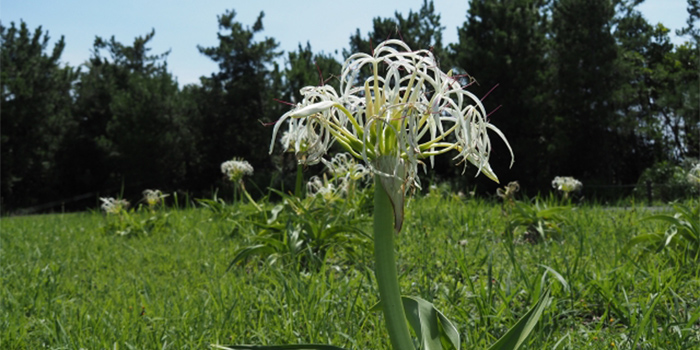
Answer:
(36, 114)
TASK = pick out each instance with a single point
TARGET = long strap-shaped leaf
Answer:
(515, 336)
(436, 332)
(433, 329)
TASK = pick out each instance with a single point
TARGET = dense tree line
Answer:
(586, 88)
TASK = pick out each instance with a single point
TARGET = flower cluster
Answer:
(566, 184)
(153, 197)
(406, 111)
(236, 168)
(114, 206)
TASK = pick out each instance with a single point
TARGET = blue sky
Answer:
(181, 25)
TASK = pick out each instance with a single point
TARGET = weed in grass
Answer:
(681, 236)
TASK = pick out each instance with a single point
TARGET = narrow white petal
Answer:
(313, 109)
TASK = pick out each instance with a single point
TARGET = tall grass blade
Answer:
(516, 336)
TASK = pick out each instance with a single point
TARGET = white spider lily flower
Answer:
(153, 197)
(566, 184)
(407, 110)
(237, 168)
(113, 206)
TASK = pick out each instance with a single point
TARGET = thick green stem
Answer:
(385, 270)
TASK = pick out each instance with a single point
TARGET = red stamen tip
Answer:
(284, 102)
(494, 110)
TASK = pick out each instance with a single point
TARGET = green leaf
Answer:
(556, 275)
(647, 315)
(661, 217)
(249, 251)
(643, 238)
(434, 330)
(517, 334)
(278, 347)
(550, 212)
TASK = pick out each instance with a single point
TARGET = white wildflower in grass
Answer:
(114, 206)
(153, 197)
(235, 169)
(566, 184)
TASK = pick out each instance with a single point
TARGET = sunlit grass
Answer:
(67, 284)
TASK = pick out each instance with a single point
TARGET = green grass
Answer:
(66, 284)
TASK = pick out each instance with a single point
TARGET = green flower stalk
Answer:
(407, 111)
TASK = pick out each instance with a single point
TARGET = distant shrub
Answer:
(669, 181)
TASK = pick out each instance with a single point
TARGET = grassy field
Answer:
(69, 282)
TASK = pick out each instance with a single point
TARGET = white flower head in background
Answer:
(153, 197)
(566, 184)
(236, 168)
(113, 206)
